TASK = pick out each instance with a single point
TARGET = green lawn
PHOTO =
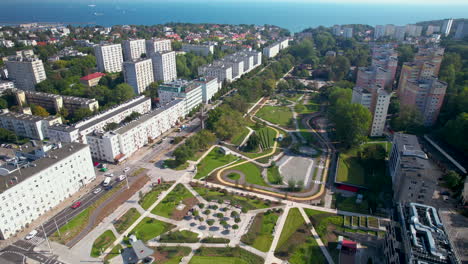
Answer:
(237, 139)
(349, 204)
(249, 204)
(149, 198)
(235, 255)
(173, 164)
(307, 108)
(170, 202)
(280, 115)
(273, 175)
(233, 176)
(173, 254)
(293, 222)
(113, 253)
(126, 220)
(252, 173)
(213, 160)
(150, 228)
(260, 234)
(184, 236)
(102, 243)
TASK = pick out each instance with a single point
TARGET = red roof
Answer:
(349, 244)
(42, 43)
(92, 76)
(348, 188)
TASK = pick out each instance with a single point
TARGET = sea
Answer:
(294, 16)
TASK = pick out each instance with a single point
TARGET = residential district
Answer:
(186, 143)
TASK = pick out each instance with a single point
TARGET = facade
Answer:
(51, 174)
(155, 45)
(109, 57)
(30, 126)
(139, 74)
(221, 72)
(190, 91)
(6, 85)
(133, 49)
(55, 102)
(413, 177)
(117, 145)
(377, 100)
(421, 237)
(462, 30)
(446, 26)
(348, 32)
(209, 87)
(400, 32)
(427, 95)
(379, 31)
(25, 72)
(164, 66)
(203, 50)
(92, 79)
(336, 30)
(272, 50)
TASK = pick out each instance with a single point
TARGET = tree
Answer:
(372, 153)
(3, 103)
(339, 68)
(81, 113)
(7, 136)
(39, 110)
(405, 53)
(453, 180)
(111, 126)
(252, 143)
(291, 184)
(454, 132)
(182, 154)
(122, 93)
(408, 119)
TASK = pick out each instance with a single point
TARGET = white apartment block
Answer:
(30, 126)
(6, 85)
(220, 72)
(6, 43)
(52, 174)
(209, 87)
(116, 146)
(272, 50)
(155, 45)
(203, 50)
(109, 57)
(237, 65)
(164, 66)
(284, 43)
(348, 32)
(139, 74)
(414, 30)
(362, 96)
(446, 26)
(257, 58)
(190, 91)
(379, 31)
(140, 104)
(25, 72)
(400, 32)
(133, 49)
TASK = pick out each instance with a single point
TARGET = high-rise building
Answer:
(56, 172)
(30, 126)
(155, 45)
(400, 32)
(427, 95)
(209, 87)
(389, 30)
(348, 32)
(446, 27)
(109, 57)
(414, 30)
(462, 30)
(202, 50)
(431, 29)
(25, 71)
(190, 91)
(164, 66)
(139, 74)
(133, 49)
(336, 29)
(379, 31)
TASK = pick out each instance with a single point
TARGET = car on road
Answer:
(76, 205)
(103, 169)
(108, 187)
(106, 181)
(127, 169)
(109, 174)
(121, 178)
(98, 190)
(31, 235)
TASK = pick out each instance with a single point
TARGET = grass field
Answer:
(170, 202)
(150, 228)
(307, 108)
(252, 173)
(280, 115)
(260, 234)
(102, 243)
(233, 176)
(249, 204)
(267, 136)
(184, 236)
(150, 197)
(273, 175)
(213, 160)
(173, 164)
(173, 255)
(126, 220)
(113, 253)
(235, 255)
(293, 222)
(237, 139)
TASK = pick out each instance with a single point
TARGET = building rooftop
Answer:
(25, 117)
(53, 156)
(92, 76)
(179, 86)
(63, 128)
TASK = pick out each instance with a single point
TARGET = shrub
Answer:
(235, 227)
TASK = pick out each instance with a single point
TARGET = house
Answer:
(92, 79)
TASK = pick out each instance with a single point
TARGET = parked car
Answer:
(97, 190)
(96, 164)
(108, 187)
(109, 174)
(31, 235)
(106, 181)
(121, 178)
(127, 169)
(103, 169)
(76, 205)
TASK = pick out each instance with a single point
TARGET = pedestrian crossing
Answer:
(29, 244)
(317, 182)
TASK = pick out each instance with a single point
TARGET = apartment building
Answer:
(190, 91)
(25, 71)
(379, 31)
(414, 30)
(348, 32)
(164, 66)
(92, 79)
(427, 95)
(30, 126)
(6, 85)
(133, 49)
(202, 50)
(272, 50)
(156, 45)
(139, 74)
(381, 72)
(462, 30)
(117, 145)
(336, 30)
(55, 102)
(63, 133)
(220, 72)
(421, 237)
(49, 174)
(209, 87)
(109, 57)
(400, 32)
(446, 26)
(140, 104)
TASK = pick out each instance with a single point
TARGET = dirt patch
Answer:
(331, 236)
(189, 204)
(160, 257)
(297, 239)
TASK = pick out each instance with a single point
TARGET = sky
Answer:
(370, 2)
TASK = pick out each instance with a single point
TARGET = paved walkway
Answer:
(270, 258)
(246, 137)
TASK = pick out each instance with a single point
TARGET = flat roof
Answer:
(25, 117)
(53, 157)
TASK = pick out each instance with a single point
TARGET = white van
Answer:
(106, 181)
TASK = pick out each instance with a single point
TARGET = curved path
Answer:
(307, 196)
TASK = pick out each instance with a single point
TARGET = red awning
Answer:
(349, 244)
(348, 188)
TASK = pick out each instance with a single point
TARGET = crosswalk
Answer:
(317, 182)
(29, 244)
